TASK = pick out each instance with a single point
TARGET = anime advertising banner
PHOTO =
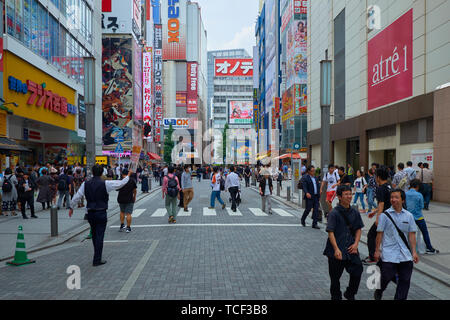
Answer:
(240, 112)
(296, 55)
(117, 105)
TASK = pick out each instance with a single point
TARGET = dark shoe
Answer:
(186, 210)
(348, 296)
(367, 261)
(223, 206)
(316, 227)
(122, 227)
(377, 295)
(95, 264)
(303, 223)
(34, 216)
(434, 251)
(128, 230)
(25, 217)
(174, 221)
(170, 219)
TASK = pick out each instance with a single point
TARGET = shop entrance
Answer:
(389, 158)
(353, 154)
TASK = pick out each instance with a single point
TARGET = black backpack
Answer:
(62, 184)
(222, 183)
(172, 187)
(7, 186)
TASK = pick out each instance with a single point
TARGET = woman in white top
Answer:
(360, 186)
(215, 184)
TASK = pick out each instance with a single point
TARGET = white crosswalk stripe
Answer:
(282, 212)
(182, 213)
(160, 212)
(209, 212)
(258, 212)
(137, 212)
(231, 213)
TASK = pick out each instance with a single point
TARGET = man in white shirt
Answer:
(233, 185)
(332, 178)
(96, 192)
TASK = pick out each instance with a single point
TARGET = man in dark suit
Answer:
(311, 190)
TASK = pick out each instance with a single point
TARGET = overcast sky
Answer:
(230, 24)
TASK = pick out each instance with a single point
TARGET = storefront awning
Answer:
(8, 144)
(153, 156)
(288, 155)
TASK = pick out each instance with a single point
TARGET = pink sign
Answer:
(390, 68)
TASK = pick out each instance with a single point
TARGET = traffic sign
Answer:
(296, 146)
(119, 148)
(119, 139)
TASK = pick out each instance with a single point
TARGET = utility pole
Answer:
(89, 99)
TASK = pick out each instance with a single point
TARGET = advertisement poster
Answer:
(192, 87)
(270, 23)
(296, 55)
(181, 99)
(287, 105)
(136, 153)
(174, 29)
(390, 69)
(117, 103)
(137, 75)
(301, 99)
(233, 67)
(158, 111)
(55, 152)
(240, 112)
(147, 77)
(270, 85)
(424, 156)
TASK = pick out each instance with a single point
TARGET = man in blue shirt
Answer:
(415, 204)
(396, 255)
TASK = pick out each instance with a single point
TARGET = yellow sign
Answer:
(23, 71)
(98, 160)
(2, 124)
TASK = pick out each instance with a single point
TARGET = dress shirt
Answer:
(110, 186)
(314, 184)
(232, 181)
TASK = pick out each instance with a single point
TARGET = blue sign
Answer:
(119, 148)
(119, 139)
(296, 146)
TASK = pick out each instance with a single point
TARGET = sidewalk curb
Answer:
(76, 231)
(423, 267)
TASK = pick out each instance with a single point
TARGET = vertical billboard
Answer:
(174, 29)
(270, 24)
(390, 69)
(296, 53)
(137, 76)
(158, 112)
(147, 76)
(192, 87)
(117, 102)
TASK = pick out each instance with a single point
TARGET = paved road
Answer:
(206, 255)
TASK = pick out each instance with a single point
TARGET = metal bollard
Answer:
(278, 189)
(149, 183)
(300, 194)
(54, 221)
(288, 193)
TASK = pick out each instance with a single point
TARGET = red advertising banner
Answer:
(300, 6)
(1, 54)
(390, 69)
(192, 86)
(234, 67)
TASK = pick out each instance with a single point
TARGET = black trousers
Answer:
(233, 192)
(312, 203)
(403, 270)
(372, 241)
(97, 220)
(247, 181)
(335, 269)
(23, 201)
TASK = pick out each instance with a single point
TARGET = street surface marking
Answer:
(258, 212)
(137, 212)
(123, 294)
(282, 212)
(115, 241)
(231, 213)
(161, 212)
(214, 225)
(182, 213)
(209, 212)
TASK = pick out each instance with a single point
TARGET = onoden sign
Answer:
(390, 69)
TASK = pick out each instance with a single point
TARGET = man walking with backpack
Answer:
(218, 185)
(401, 178)
(126, 199)
(171, 192)
(9, 192)
(64, 189)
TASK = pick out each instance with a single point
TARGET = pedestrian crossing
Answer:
(207, 212)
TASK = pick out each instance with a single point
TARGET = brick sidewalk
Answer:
(438, 222)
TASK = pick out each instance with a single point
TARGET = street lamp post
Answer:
(89, 99)
(325, 104)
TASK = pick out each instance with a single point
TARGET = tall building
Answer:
(230, 78)
(122, 44)
(43, 117)
(184, 76)
(388, 62)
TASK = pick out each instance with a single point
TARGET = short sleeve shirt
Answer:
(331, 179)
(394, 249)
(337, 225)
(384, 195)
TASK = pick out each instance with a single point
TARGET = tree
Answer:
(224, 143)
(168, 146)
